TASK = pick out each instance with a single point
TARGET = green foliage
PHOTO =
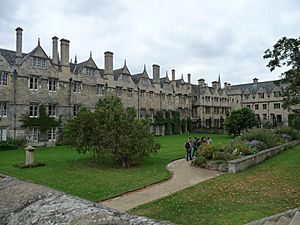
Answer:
(239, 120)
(199, 161)
(11, 144)
(22, 165)
(189, 124)
(183, 125)
(44, 121)
(206, 150)
(295, 123)
(176, 122)
(264, 136)
(286, 53)
(171, 120)
(294, 134)
(111, 129)
(239, 148)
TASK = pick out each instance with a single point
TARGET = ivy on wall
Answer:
(44, 122)
(172, 122)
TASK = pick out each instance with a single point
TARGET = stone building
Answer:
(28, 80)
(31, 79)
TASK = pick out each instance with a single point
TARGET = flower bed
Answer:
(246, 150)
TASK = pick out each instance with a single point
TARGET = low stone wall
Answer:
(23, 203)
(273, 219)
(247, 161)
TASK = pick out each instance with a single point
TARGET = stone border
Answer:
(25, 203)
(289, 214)
(247, 161)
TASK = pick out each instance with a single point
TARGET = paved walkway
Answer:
(184, 175)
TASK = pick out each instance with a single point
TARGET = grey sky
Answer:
(200, 37)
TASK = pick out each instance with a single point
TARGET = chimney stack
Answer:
(189, 78)
(173, 74)
(55, 50)
(255, 81)
(64, 52)
(108, 63)
(19, 42)
(201, 82)
(215, 84)
(156, 73)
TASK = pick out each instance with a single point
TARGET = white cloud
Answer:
(200, 37)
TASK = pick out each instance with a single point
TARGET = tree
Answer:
(285, 53)
(111, 129)
(239, 120)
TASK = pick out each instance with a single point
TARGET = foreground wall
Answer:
(25, 203)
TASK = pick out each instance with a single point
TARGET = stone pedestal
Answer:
(29, 155)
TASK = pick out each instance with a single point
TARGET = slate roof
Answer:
(10, 55)
(268, 86)
(137, 77)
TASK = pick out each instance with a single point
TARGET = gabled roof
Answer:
(137, 77)
(253, 88)
(118, 72)
(77, 68)
(10, 55)
(35, 49)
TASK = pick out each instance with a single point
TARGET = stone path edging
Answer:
(184, 176)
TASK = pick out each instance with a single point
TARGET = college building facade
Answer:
(29, 80)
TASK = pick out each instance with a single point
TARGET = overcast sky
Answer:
(201, 37)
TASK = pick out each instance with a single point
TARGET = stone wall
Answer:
(247, 161)
(24, 203)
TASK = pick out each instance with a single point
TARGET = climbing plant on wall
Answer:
(44, 122)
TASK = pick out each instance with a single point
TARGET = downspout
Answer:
(15, 102)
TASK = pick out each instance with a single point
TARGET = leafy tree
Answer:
(111, 129)
(239, 120)
(285, 53)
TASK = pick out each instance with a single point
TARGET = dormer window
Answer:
(261, 95)
(144, 81)
(276, 94)
(38, 63)
(125, 77)
(90, 71)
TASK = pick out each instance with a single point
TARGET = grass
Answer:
(68, 171)
(266, 189)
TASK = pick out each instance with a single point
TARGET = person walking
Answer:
(188, 149)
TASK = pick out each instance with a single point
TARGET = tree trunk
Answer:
(125, 163)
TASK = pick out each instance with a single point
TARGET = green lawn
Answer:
(72, 173)
(266, 189)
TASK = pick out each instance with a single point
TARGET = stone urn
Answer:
(29, 155)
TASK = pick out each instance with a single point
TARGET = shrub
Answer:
(206, 150)
(221, 156)
(264, 136)
(239, 147)
(22, 165)
(294, 134)
(11, 144)
(199, 161)
(256, 145)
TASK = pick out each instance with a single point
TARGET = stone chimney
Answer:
(64, 52)
(173, 74)
(255, 81)
(225, 85)
(189, 78)
(228, 86)
(215, 84)
(55, 50)
(156, 73)
(108, 63)
(201, 82)
(19, 43)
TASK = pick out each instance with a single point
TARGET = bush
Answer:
(239, 147)
(206, 150)
(264, 136)
(11, 144)
(221, 156)
(287, 131)
(256, 145)
(199, 161)
(22, 165)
